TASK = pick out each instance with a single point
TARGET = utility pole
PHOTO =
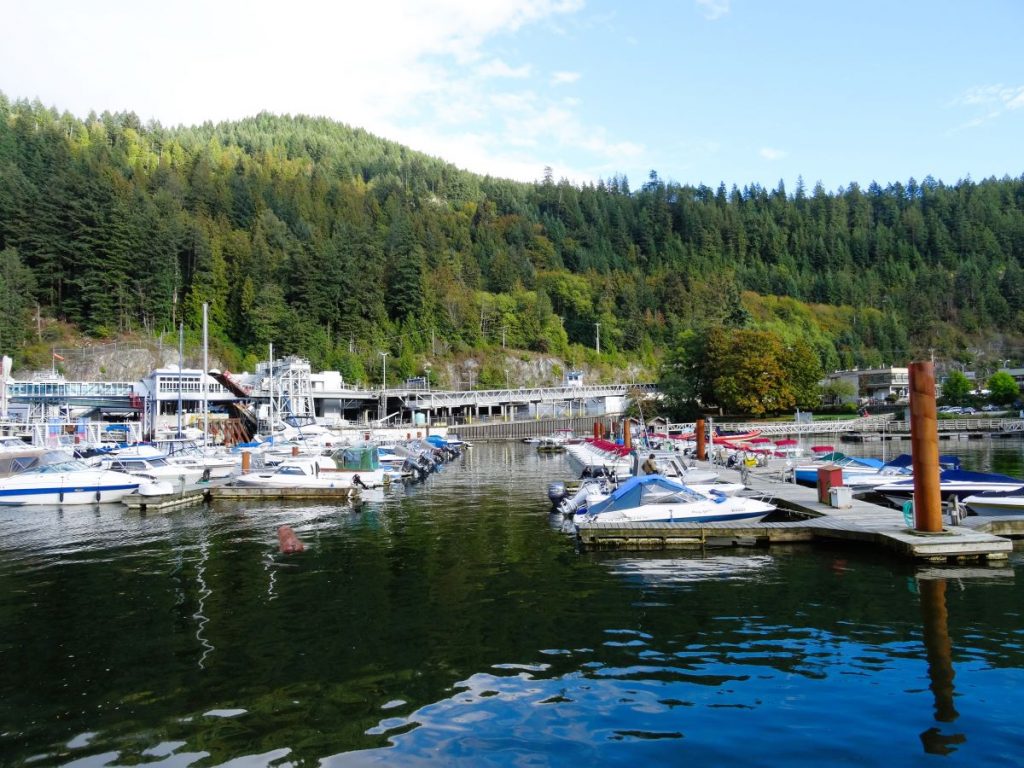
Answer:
(598, 325)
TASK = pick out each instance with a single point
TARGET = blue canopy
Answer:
(905, 460)
(632, 494)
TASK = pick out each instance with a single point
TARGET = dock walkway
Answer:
(862, 521)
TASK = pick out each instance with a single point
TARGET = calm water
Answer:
(455, 624)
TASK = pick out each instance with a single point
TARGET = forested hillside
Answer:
(335, 244)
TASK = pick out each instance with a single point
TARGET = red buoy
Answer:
(287, 541)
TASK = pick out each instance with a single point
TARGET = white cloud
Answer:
(770, 153)
(498, 68)
(992, 100)
(713, 9)
(422, 72)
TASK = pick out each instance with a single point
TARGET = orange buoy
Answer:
(287, 541)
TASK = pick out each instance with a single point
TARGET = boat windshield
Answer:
(66, 465)
(657, 495)
(291, 469)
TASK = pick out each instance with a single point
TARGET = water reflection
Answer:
(667, 571)
(939, 649)
(452, 625)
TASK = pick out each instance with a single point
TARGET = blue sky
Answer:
(701, 91)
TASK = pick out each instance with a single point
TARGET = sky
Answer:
(698, 91)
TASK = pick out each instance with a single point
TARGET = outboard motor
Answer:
(556, 492)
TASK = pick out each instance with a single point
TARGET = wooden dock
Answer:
(862, 522)
(186, 498)
(219, 492)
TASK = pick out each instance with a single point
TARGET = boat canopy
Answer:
(946, 461)
(361, 457)
(647, 489)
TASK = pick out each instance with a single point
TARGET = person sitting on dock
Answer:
(650, 466)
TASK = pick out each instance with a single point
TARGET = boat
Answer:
(557, 440)
(861, 474)
(154, 467)
(63, 480)
(598, 457)
(298, 472)
(593, 490)
(996, 503)
(671, 464)
(656, 499)
(808, 473)
(954, 484)
(361, 461)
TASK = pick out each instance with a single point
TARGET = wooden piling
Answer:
(701, 438)
(924, 448)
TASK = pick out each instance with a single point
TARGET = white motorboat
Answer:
(62, 480)
(672, 465)
(298, 472)
(656, 499)
(152, 467)
(996, 503)
(954, 484)
(593, 490)
(362, 461)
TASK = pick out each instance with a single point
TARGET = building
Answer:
(871, 385)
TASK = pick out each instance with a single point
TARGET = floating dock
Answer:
(233, 492)
(861, 521)
(186, 498)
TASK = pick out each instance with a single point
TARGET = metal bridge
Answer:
(441, 399)
(884, 424)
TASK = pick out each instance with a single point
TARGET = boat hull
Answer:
(83, 491)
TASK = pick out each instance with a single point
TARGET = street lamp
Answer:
(598, 325)
(384, 355)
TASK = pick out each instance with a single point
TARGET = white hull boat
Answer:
(996, 504)
(656, 499)
(64, 483)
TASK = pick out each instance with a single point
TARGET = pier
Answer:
(862, 522)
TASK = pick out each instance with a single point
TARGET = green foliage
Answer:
(835, 392)
(1003, 388)
(741, 371)
(17, 284)
(316, 236)
(956, 388)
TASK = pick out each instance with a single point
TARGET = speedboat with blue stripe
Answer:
(657, 499)
(62, 480)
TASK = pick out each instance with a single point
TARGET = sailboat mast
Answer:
(206, 367)
(181, 362)
(271, 369)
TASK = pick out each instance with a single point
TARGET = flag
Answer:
(57, 357)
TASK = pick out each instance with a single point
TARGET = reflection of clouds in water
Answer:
(670, 571)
